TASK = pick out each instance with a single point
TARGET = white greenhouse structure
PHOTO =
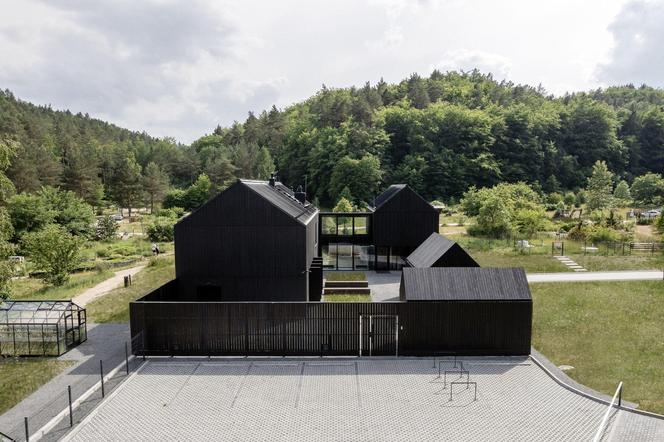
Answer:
(40, 328)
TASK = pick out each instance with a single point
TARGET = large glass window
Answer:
(345, 256)
(329, 252)
(345, 225)
(361, 225)
(329, 226)
(363, 257)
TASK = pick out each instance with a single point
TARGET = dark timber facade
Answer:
(253, 242)
(380, 239)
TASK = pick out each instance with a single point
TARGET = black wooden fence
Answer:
(161, 327)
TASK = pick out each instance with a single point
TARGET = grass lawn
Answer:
(629, 262)
(608, 331)
(33, 288)
(347, 298)
(531, 263)
(114, 306)
(21, 376)
(345, 276)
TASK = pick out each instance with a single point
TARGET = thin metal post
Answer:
(101, 374)
(126, 358)
(620, 396)
(71, 412)
(27, 431)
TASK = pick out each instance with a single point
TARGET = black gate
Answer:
(379, 335)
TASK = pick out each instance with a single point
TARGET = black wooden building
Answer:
(255, 241)
(439, 251)
(249, 283)
(381, 238)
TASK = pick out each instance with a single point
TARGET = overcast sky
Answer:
(179, 68)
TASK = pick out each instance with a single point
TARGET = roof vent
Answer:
(300, 195)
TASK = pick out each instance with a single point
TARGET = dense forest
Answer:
(440, 134)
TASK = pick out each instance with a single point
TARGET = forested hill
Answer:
(440, 134)
(447, 132)
(77, 152)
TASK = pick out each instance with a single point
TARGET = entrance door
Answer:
(379, 335)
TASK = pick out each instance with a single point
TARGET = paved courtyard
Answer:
(349, 399)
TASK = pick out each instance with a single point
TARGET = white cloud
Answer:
(637, 56)
(179, 68)
(467, 60)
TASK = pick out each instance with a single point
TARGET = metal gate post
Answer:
(397, 335)
(370, 335)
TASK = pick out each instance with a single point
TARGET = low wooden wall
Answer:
(162, 327)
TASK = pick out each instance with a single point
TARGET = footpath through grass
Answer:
(19, 377)
(36, 289)
(114, 306)
(608, 331)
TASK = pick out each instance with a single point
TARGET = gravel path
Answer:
(106, 286)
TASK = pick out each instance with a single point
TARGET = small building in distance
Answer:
(255, 241)
(439, 251)
(483, 309)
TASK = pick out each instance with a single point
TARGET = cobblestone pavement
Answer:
(348, 399)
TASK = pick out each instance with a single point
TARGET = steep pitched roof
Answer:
(283, 198)
(427, 253)
(464, 284)
(387, 194)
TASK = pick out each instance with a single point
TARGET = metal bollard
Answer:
(27, 431)
(101, 373)
(71, 411)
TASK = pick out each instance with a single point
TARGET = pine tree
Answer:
(155, 183)
(126, 187)
(599, 189)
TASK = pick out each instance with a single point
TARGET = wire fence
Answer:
(68, 407)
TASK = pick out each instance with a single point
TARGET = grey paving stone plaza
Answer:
(350, 399)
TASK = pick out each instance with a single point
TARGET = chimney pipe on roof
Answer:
(300, 195)
(272, 180)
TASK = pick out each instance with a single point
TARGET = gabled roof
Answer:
(464, 284)
(283, 198)
(387, 194)
(427, 253)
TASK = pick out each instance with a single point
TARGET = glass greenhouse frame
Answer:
(40, 328)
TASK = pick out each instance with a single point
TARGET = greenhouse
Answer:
(40, 328)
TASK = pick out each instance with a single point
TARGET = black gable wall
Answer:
(240, 247)
(405, 220)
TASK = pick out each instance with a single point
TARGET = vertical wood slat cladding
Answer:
(314, 328)
(242, 247)
(405, 220)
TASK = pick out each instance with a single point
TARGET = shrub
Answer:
(107, 228)
(172, 212)
(160, 229)
(602, 234)
(54, 251)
